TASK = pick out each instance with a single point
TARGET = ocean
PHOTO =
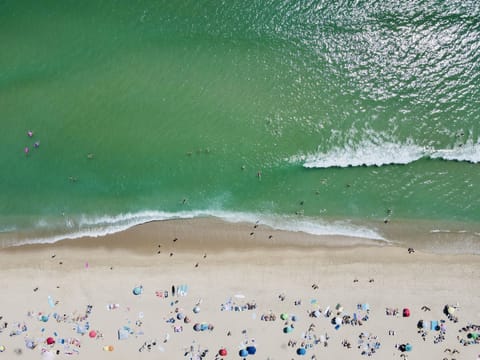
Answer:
(331, 117)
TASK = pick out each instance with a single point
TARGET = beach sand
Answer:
(221, 267)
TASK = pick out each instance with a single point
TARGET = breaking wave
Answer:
(369, 153)
(86, 226)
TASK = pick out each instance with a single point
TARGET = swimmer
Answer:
(90, 156)
(259, 175)
(36, 144)
(30, 133)
(26, 150)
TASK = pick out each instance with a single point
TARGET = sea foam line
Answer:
(370, 153)
(86, 226)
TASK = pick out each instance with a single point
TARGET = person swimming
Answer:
(30, 133)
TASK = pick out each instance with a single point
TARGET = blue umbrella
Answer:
(408, 347)
(301, 351)
(243, 353)
(137, 290)
(251, 350)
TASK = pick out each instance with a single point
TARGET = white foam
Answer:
(373, 153)
(366, 153)
(87, 226)
(469, 152)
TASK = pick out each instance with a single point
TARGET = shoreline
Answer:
(431, 236)
(220, 261)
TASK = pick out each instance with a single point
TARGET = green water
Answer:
(183, 103)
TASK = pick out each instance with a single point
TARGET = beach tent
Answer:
(123, 334)
(301, 351)
(251, 350)
(222, 352)
(406, 312)
(243, 352)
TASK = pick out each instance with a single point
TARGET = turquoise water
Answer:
(353, 113)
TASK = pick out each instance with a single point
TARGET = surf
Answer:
(369, 153)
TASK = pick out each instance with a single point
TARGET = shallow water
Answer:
(351, 111)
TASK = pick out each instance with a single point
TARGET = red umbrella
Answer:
(50, 341)
(406, 312)
(92, 333)
(222, 352)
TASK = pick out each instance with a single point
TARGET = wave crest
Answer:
(369, 153)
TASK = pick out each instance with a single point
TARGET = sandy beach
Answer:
(245, 287)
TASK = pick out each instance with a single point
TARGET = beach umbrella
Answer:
(222, 352)
(251, 350)
(316, 313)
(2, 348)
(301, 351)
(50, 340)
(408, 347)
(450, 310)
(44, 318)
(197, 327)
(108, 348)
(287, 329)
(243, 352)
(294, 318)
(137, 290)
(284, 316)
(338, 320)
(30, 344)
(186, 320)
(406, 312)
(196, 309)
(180, 316)
(92, 333)
(203, 326)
